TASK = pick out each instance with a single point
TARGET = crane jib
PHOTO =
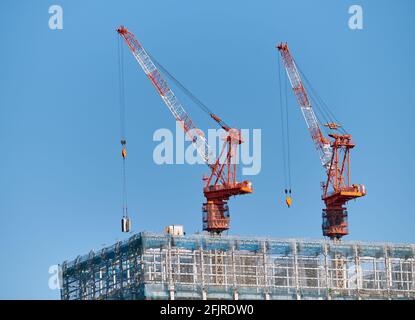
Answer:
(334, 154)
(168, 96)
(321, 143)
(155, 83)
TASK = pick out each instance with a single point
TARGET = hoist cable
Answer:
(323, 107)
(186, 91)
(125, 207)
(282, 127)
(121, 87)
(122, 125)
(327, 114)
(287, 125)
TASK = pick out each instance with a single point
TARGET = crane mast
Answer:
(334, 155)
(222, 183)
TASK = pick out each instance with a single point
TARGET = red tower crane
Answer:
(334, 154)
(222, 183)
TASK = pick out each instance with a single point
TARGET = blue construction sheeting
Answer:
(201, 266)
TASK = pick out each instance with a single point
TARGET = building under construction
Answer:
(167, 266)
(212, 266)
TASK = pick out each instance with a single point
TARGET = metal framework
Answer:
(161, 266)
(221, 184)
(334, 155)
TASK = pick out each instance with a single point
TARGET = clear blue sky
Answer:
(60, 165)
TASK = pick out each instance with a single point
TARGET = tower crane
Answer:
(221, 184)
(334, 152)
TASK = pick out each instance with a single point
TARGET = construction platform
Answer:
(163, 266)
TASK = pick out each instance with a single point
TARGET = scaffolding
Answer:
(162, 266)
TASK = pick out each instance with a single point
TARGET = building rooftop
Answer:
(200, 266)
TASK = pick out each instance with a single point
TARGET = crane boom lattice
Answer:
(321, 143)
(169, 98)
(334, 156)
(221, 184)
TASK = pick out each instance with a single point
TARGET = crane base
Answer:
(335, 223)
(216, 217)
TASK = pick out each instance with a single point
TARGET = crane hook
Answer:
(288, 199)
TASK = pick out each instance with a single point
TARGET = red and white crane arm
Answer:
(321, 143)
(169, 98)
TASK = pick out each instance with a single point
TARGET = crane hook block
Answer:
(125, 224)
(124, 153)
(288, 201)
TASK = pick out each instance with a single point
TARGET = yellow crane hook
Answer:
(288, 199)
(124, 151)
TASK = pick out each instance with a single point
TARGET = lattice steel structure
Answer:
(161, 266)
